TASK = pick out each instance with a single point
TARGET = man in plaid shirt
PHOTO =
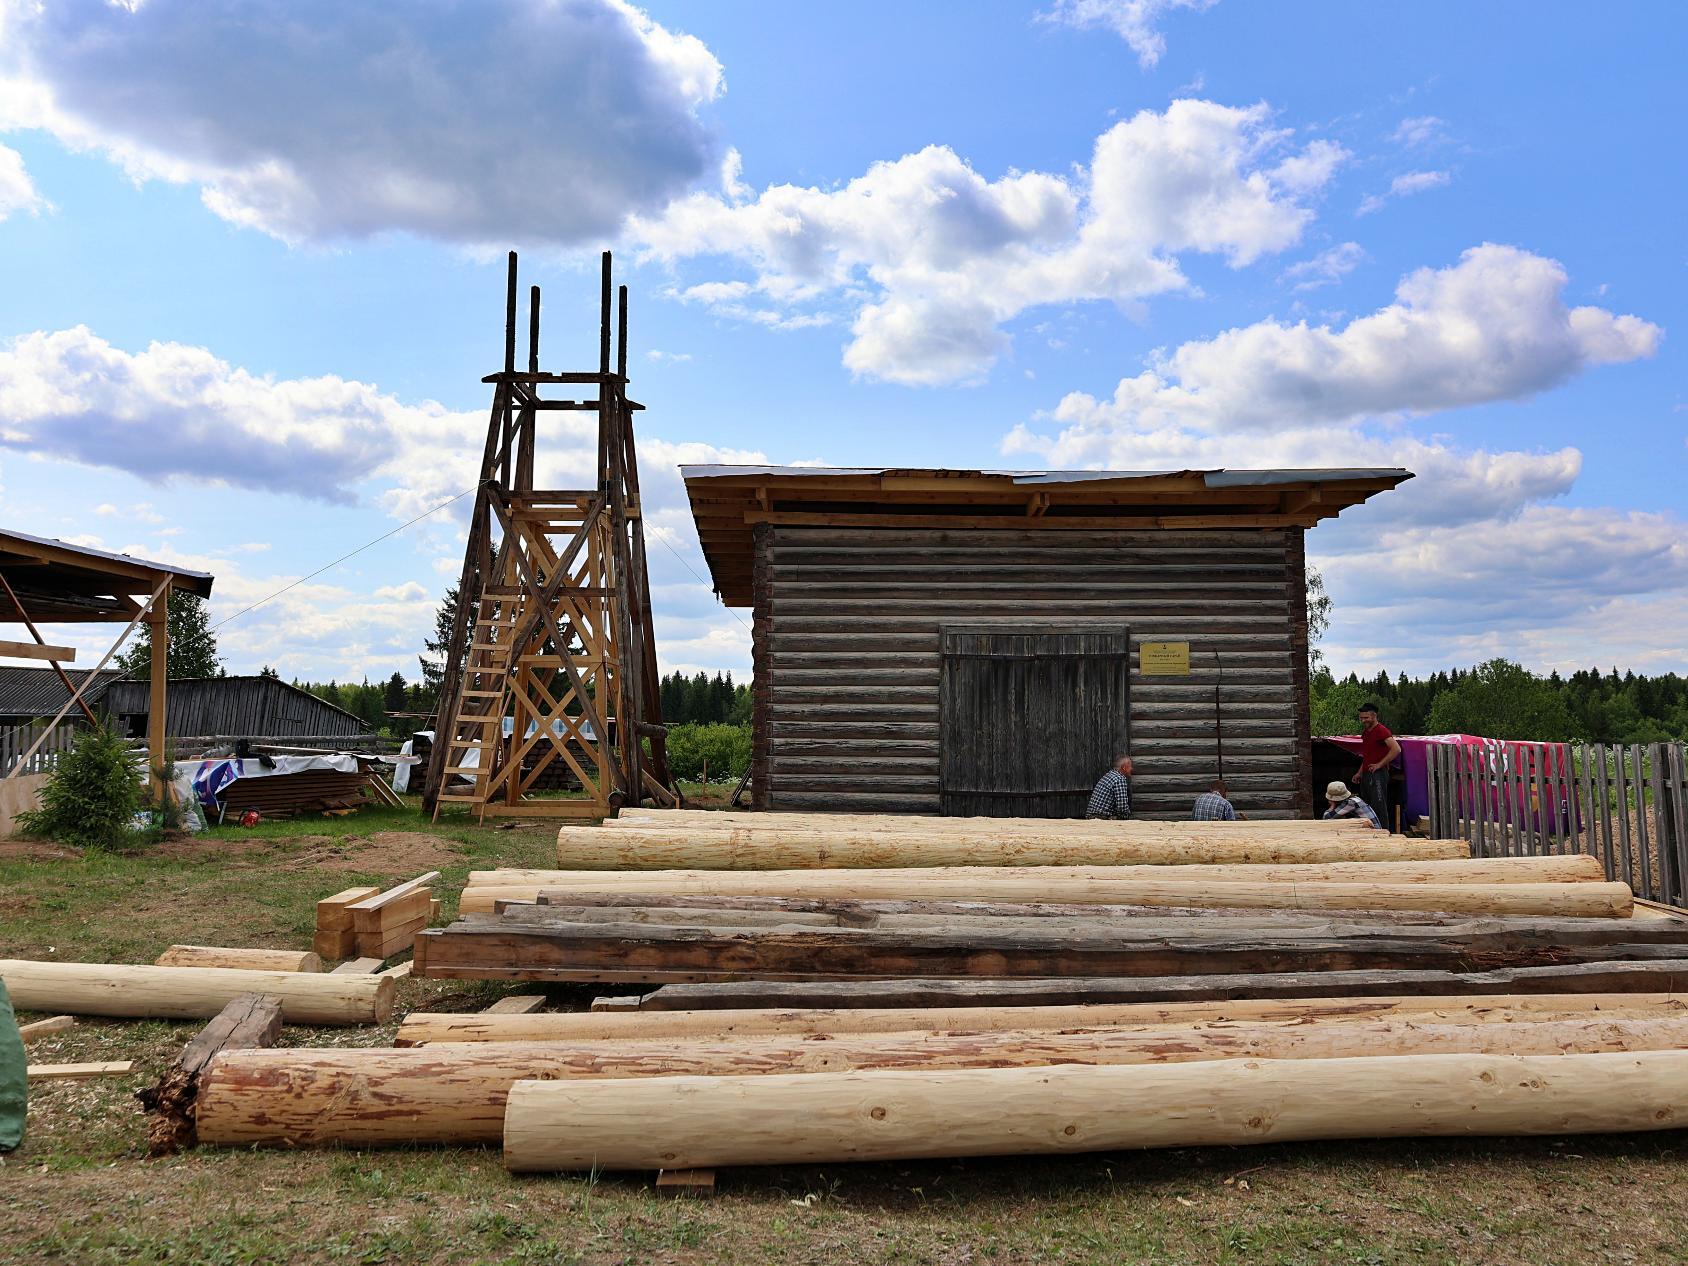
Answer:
(1112, 796)
(1213, 806)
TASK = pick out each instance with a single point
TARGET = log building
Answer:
(983, 642)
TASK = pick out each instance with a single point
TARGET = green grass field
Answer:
(80, 1191)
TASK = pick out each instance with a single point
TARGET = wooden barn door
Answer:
(1031, 717)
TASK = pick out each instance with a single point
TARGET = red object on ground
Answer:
(249, 818)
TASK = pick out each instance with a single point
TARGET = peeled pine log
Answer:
(634, 819)
(1578, 900)
(592, 848)
(193, 993)
(421, 1028)
(253, 959)
(802, 1119)
(456, 1094)
(1656, 976)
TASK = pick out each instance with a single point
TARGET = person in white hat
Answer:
(1345, 804)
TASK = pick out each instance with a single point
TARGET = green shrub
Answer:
(726, 747)
(91, 798)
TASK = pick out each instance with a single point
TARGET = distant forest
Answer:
(704, 700)
(1501, 699)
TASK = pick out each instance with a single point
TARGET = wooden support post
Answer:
(158, 625)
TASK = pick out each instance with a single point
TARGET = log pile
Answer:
(810, 990)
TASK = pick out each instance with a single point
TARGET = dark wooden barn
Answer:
(970, 642)
(232, 707)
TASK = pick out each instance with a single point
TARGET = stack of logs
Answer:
(834, 989)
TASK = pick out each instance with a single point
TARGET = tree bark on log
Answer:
(800, 1119)
(644, 818)
(421, 1028)
(1582, 900)
(193, 993)
(543, 946)
(456, 1094)
(1665, 976)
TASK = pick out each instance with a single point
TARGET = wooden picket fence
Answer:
(1626, 804)
(17, 740)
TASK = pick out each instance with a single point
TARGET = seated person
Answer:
(1345, 804)
(1213, 805)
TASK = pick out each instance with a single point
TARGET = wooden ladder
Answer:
(478, 722)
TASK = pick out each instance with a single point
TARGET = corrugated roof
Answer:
(38, 692)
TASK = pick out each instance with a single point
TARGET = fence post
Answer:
(1679, 820)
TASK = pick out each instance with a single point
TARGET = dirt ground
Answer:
(80, 1191)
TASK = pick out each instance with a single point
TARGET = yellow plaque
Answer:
(1163, 659)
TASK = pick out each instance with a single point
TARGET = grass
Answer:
(79, 1190)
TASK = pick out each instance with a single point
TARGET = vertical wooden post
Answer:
(1585, 822)
(1603, 795)
(510, 317)
(1620, 777)
(158, 626)
(1679, 819)
(1658, 780)
(1643, 850)
(1433, 788)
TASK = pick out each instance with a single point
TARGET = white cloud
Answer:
(1134, 21)
(175, 412)
(17, 191)
(1327, 267)
(930, 258)
(673, 358)
(1492, 327)
(1474, 557)
(1414, 132)
(322, 120)
(1404, 186)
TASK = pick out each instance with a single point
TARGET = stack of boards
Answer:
(366, 922)
(820, 988)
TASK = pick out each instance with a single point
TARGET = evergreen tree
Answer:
(395, 694)
(193, 646)
(438, 646)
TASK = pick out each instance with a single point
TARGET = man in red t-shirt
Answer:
(1378, 750)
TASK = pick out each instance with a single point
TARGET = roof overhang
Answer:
(729, 501)
(59, 583)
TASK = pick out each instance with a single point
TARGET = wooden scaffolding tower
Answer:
(551, 669)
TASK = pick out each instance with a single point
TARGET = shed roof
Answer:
(38, 692)
(57, 582)
(729, 501)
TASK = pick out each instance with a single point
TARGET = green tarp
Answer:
(14, 1067)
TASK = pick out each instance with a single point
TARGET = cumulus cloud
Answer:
(17, 191)
(1476, 556)
(1404, 186)
(1327, 267)
(1492, 327)
(176, 412)
(527, 120)
(1134, 21)
(930, 258)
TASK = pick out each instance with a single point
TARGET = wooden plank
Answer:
(1663, 976)
(358, 967)
(80, 1072)
(516, 1004)
(395, 893)
(45, 1028)
(335, 945)
(393, 912)
(248, 1021)
(36, 650)
(696, 1184)
(333, 914)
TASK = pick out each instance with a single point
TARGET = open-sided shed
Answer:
(44, 581)
(982, 642)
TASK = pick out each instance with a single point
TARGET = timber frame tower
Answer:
(551, 666)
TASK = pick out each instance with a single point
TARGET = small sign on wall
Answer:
(1163, 659)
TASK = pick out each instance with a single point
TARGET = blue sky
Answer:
(251, 275)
